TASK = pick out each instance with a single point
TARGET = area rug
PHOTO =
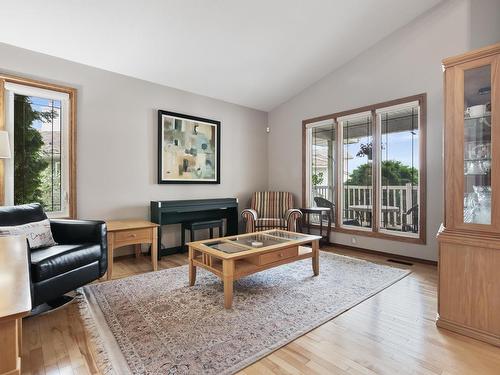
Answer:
(154, 323)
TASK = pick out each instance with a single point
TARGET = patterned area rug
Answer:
(154, 323)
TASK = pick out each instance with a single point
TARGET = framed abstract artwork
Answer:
(188, 149)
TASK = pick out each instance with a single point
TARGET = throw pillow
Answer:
(38, 233)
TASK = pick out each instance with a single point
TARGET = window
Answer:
(40, 126)
(357, 177)
(379, 179)
(398, 168)
(322, 156)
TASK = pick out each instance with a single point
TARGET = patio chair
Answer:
(271, 210)
(322, 202)
(413, 227)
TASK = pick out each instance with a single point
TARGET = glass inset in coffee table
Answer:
(231, 258)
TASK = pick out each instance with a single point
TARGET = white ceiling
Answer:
(257, 53)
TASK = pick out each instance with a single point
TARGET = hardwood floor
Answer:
(393, 332)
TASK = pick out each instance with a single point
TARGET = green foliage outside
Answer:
(394, 173)
(29, 162)
(51, 188)
(317, 178)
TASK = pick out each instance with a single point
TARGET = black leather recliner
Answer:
(79, 257)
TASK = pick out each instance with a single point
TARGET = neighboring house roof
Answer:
(320, 157)
(52, 142)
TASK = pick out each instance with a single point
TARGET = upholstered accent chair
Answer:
(271, 210)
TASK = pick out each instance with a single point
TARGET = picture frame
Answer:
(188, 149)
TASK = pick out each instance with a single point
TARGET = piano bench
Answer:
(193, 226)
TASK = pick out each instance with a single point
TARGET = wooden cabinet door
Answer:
(472, 145)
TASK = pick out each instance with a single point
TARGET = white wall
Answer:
(117, 142)
(407, 62)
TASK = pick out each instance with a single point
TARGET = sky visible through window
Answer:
(43, 105)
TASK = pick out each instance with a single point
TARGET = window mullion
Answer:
(377, 177)
(339, 184)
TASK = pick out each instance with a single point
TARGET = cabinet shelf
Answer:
(482, 159)
(471, 119)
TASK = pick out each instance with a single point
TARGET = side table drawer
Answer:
(133, 236)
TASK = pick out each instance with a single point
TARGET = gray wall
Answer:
(117, 120)
(405, 63)
(485, 22)
(117, 143)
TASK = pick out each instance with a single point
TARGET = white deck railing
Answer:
(403, 197)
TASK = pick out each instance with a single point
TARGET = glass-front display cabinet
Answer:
(469, 239)
(471, 142)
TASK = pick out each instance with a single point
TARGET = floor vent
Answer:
(400, 262)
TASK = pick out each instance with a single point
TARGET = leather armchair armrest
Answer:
(292, 217)
(78, 231)
(67, 232)
(249, 217)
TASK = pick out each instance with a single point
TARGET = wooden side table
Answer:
(132, 232)
(306, 221)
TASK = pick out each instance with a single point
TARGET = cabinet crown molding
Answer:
(472, 55)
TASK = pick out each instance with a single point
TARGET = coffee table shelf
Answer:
(243, 267)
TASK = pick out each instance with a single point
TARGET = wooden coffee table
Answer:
(234, 257)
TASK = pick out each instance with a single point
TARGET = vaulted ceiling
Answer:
(257, 53)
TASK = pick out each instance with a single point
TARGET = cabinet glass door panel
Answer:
(477, 145)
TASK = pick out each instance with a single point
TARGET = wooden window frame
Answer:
(71, 129)
(421, 239)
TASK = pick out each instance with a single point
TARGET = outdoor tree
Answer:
(317, 178)
(393, 173)
(29, 163)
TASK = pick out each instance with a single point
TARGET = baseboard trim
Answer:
(385, 254)
(468, 331)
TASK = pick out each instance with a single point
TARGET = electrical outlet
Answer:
(268, 130)
(353, 240)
